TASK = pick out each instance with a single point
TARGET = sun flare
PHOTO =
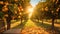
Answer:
(30, 10)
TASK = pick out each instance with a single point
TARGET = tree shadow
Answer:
(47, 27)
(20, 26)
(57, 22)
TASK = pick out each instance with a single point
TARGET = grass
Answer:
(20, 25)
(29, 23)
(47, 27)
(44, 25)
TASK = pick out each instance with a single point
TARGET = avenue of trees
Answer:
(18, 10)
(50, 9)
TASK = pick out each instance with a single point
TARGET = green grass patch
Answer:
(20, 25)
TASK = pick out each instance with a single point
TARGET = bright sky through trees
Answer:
(34, 2)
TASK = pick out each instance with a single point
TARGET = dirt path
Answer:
(29, 28)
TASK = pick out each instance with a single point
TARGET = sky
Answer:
(34, 2)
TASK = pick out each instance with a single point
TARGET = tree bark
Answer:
(8, 19)
(42, 21)
(21, 20)
(53, 23)
(8, 24)
(38, 19)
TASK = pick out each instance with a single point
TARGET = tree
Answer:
(23, 9)
(8, 8)
(47, 10)
(54, 13)
(2, 23)
(39, 11)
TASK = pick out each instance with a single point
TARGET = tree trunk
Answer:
(38, 19)
(46, 20)
(53, 23)
(42, 21)
(21, 20)
(8, 24)
(9, 18)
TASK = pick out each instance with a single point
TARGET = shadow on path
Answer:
(47, 27)
(20, 26)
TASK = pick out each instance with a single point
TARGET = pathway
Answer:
(29, 28)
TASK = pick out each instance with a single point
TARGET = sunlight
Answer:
(29, 23)
(30, 10)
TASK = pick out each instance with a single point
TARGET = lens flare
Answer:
(30, 10)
